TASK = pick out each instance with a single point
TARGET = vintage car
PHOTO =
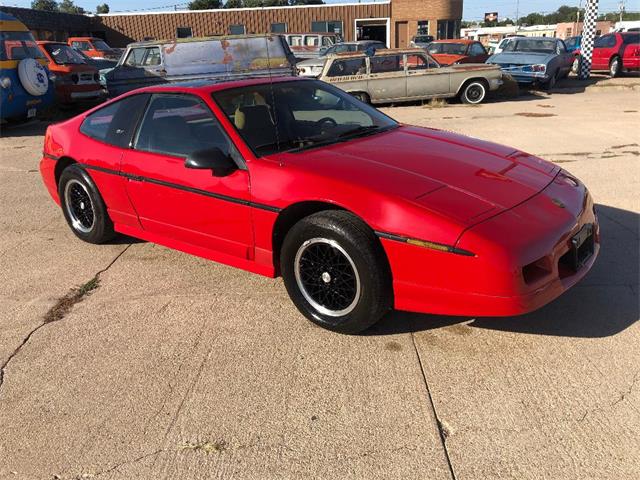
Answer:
(94, 47)
(421, 41)
(403, 75)
(75, 81)
(313, 67)
(534, 60)
(449, 52)
(358, 213)
(309, 45)
(26, 87)
(164, 61)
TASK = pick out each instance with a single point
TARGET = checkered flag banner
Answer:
(588, 36)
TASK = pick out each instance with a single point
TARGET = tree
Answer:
(306, 2)
(46, 5)
(205, 4)
(234, 4)
(104, 8)
(67, 6)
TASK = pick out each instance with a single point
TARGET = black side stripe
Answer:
(197, 191)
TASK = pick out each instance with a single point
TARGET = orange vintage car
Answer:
(94, 47)
(75, 81)
(448, 52)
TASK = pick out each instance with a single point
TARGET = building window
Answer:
(184, 32)
(423, 27)
(278, 28)
(331, 26)
(237, 29)
(448, 29)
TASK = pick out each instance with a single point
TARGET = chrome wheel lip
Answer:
(76, 223)
(480, 92)
(317, 306)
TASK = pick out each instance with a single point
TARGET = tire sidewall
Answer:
(369, 275)
(615, 67)
(465, 93)
(102, 229)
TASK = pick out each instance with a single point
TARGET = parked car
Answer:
(164, 61)
(94, 47)
(313, 67)
(75, 81)
(499, 46)
(448, 52)
(534, 60)
(99, 63)
(617, 53)
(573, 43)
(26, 89)
(309, 45)
(421, 41)
(404, 75)
(358, 213)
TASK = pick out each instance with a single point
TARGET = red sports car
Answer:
(358, 213)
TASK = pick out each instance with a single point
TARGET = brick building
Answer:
(54, 26)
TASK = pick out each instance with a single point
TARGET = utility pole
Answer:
(622, 9)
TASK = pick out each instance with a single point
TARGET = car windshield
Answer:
(530, 45)
(297, 115)
(447, 48)
(100, 45)
(64, 54)
(18, 45)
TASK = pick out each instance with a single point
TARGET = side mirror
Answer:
(212, 159)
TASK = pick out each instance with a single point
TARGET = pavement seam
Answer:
(443, 439)
(46, 321)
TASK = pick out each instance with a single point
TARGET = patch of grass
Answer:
(535, 115)
(436, 103)
(207, 447)
(66, 303)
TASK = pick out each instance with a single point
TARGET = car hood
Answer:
(463, 178)
(521, 58)
(312, 62)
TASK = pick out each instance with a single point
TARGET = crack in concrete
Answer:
(60, 310)
(443, 432)
(118, 466)
(620, 398)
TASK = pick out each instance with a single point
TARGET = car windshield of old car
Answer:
(297, 115)
(100, 45)
(533, 46)
(18, 45)
(447, 48)
(64, 54)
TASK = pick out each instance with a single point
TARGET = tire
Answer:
(336, 272)
(575, 67)
(83, 206)
(474, 92)
(615, 67)
(551, 83)
(33, 77)
(362, 96)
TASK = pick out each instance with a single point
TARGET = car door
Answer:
(603, 50)
(142, 67)
(189, 205)
(387, 78)
(425, 78)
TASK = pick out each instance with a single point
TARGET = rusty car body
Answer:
(150, 63)
(399, 75)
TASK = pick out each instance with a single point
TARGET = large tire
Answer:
(551, 83)
(336, 272)
(615, 67)
(83, 206)
(474, 92)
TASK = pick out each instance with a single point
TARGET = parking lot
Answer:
(130, 360)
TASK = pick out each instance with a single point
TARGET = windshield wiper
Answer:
(361, 130)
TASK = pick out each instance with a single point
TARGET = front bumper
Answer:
(497, 281)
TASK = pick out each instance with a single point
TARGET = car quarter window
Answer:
(115, 123)
(386, 63)
(417, 62)
(179, 125)
(352, 66)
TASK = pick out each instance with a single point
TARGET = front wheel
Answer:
(83, 206)
(615, 67)
(474, 93)
(336, 272)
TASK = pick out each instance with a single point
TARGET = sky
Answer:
(473, 9)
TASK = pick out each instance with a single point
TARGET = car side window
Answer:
(386, 63)
(477, 49)
(179, 125)
(135, 57)
(417, 62)
(311, 41)
(115, 123)
(327, 41)
(353, 66)
(152, 57)
(561, 47)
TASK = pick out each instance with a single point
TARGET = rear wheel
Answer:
(362, 96)
(474, 92)
(336, 272)
(575, 68)
(83, 206)
(615, 67)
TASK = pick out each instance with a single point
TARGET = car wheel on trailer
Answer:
(615, 67)
(474, 92)
(83, 206)
(336, 272)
